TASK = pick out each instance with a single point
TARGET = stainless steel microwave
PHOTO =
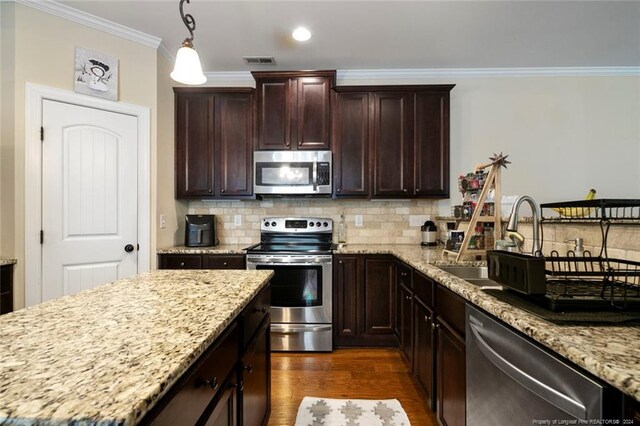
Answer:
(292, 172)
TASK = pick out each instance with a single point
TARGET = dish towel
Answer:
(351, 412)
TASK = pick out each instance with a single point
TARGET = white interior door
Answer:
(89, 198)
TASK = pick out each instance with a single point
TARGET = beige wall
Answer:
(44, 54)
(7, 148)
(167, 205)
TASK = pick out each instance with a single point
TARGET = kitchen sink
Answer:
(476, 275)
(467, 272)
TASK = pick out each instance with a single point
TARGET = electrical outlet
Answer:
(418, 219)
(237, 220)
(359, 221)
(163, 221)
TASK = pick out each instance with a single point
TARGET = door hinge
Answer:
(41, 236)
(41, 134)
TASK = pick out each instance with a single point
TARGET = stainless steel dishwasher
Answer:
(511, 380)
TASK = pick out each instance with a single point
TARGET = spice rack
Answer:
(481, 211)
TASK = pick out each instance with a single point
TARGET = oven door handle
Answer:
(285, 263)
(295, 329)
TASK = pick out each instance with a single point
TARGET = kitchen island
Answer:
(109, 354)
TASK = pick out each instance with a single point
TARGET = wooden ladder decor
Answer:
(493, 181)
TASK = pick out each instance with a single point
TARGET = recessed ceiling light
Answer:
(301, 34)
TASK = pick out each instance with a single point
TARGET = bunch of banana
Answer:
(577, 211)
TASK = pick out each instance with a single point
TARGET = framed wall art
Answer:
(96, 74)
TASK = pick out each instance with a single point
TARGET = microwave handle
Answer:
(315, 176)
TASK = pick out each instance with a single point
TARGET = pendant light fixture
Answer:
(187, 69)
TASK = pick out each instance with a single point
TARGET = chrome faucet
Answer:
(512, 226)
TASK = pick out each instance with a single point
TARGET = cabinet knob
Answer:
(223, 191)
(435, 325)
(404, 274)
(340, 262)
(417, 189)
(404, 190)
(213, 383)
(210, 191)
(339, 189)
(249, 368)
(426, 318)
(181, 263)
(225, 263)
(262, 310)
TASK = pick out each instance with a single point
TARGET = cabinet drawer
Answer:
(224, 262)
(253, 314)
(451, 308)
(423, 288)
(180, 261)
(202, 383)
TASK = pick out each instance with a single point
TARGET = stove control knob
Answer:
(273, 224)
(310, 223)
(325, 224)
(318, 224)
(266, 223)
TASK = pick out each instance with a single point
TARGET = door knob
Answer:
(128, 248)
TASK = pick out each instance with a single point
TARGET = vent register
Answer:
(259, 60)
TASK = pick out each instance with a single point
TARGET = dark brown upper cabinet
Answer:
(391, 141)
(214, 142)
(351, 129)
(294, 109)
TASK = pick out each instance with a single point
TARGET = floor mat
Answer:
(351, 412)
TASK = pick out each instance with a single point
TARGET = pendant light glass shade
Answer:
(187, 69)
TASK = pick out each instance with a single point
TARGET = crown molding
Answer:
(162, 49)
(406, 74)
(344, 77)
(63, 11)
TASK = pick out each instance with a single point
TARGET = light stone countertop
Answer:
(219, 249)
(611, 353)
(108, 354)
(5, 261)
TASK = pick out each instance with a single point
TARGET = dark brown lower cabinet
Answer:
(424, 354)
(6, 289)
(405, 327)
(228, 385)
(201, 261)
(225, 409)
(364, 309)
(451, 379)
(255, 384)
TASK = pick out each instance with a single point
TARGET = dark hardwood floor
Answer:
(344, 373)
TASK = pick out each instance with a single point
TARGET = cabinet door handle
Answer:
(249, 368)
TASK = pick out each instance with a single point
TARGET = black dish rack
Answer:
(575, 283)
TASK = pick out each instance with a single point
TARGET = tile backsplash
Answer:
(623, 240)
(384, 222)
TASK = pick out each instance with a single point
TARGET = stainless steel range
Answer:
(298, 250)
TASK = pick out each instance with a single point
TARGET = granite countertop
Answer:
(6, 261)
(108, 354)
(611, 353)
(219, 249)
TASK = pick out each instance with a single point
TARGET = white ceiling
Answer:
(392, 34)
